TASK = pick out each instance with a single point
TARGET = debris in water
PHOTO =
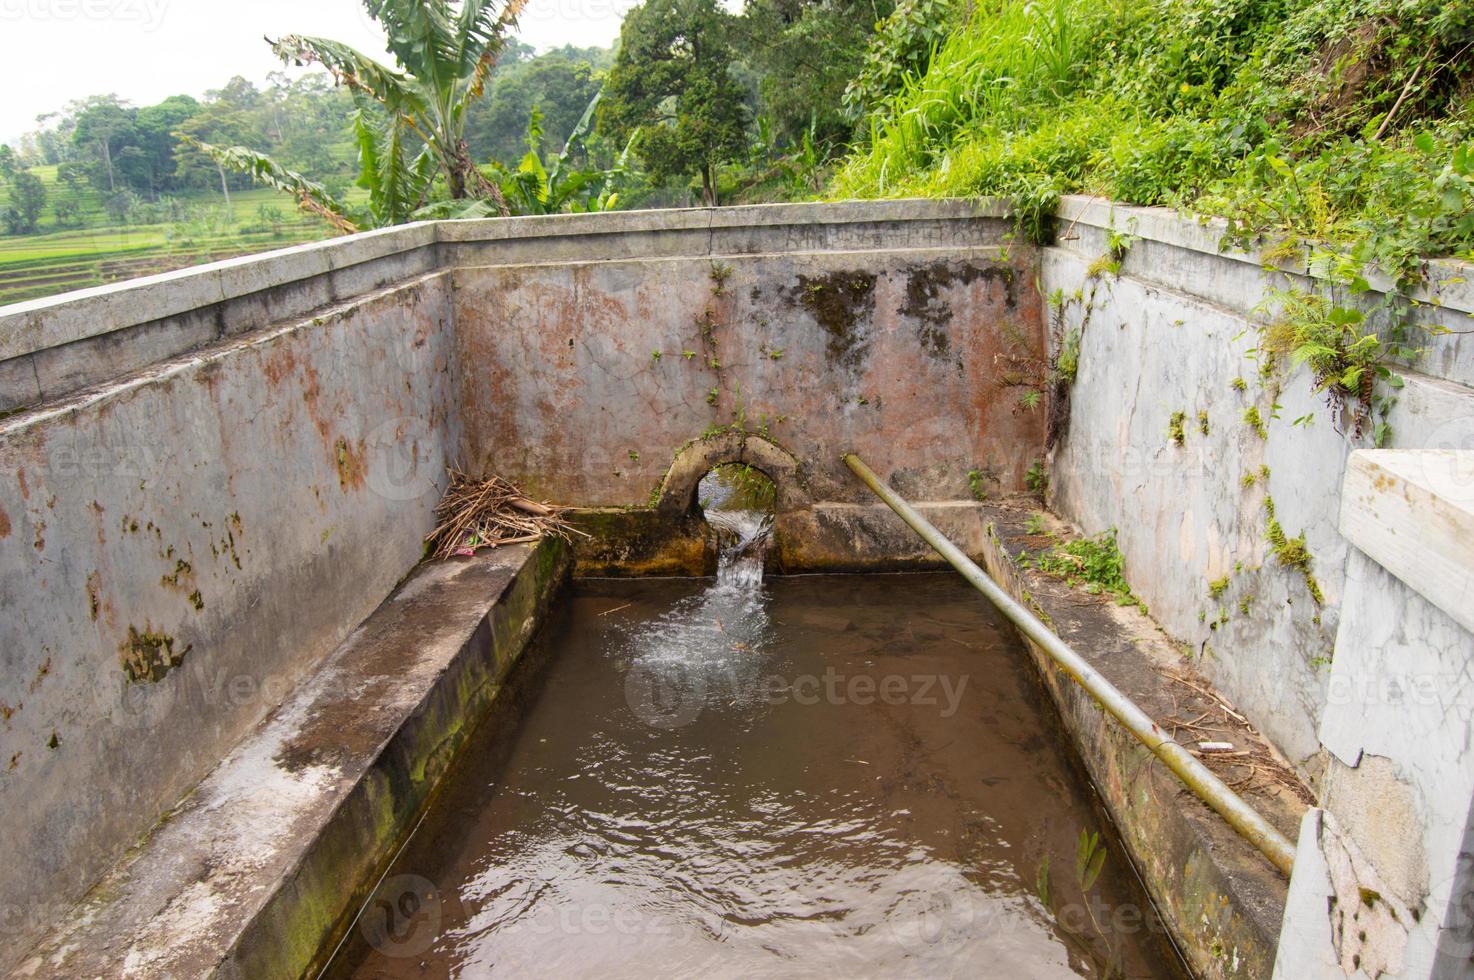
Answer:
(485, 513)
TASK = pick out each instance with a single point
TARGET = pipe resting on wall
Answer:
(1242, 817)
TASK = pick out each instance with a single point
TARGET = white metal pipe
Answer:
(1209, 788)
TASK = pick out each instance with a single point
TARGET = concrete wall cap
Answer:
(1447, 283)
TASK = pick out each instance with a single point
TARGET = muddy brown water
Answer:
(821, 775)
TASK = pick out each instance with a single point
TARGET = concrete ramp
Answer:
(256, 871)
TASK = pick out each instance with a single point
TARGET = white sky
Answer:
(54, 51)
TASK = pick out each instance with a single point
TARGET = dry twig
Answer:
(487, 513)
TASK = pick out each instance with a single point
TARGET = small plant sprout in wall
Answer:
(1037, 477)
(1203, 426)
(975, 485)
(1175, 430)
(1103, 265)
(1346, 358)
(1118, 243)
(1255, 421)
(720, 273)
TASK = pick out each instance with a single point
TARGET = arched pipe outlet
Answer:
(678, 489)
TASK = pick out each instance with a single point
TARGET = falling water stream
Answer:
(808, 776)
(739, 510)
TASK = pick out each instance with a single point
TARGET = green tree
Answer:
(9, 162)
(672, 79)
(68, 212)
(553, 186)
(103, 126)
(308, 123)
(27, 201)
(558, 84)
(901, 45)
(219, 121)
(806, 53)
(155, 126)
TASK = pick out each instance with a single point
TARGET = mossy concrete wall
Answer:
(1202, 459)
(584, 381)
(208, 478)
(260, 870)
(179, 546)
(1175, 331)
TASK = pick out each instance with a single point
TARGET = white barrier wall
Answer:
(1357, 666)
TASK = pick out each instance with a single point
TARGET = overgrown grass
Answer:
(1094, 564)
(1333, 121)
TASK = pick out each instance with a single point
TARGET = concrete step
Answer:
(259, 869)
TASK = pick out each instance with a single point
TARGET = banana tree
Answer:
(536, 188)
(445, 51)
(311, 196)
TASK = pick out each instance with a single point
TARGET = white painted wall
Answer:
(1370, 693)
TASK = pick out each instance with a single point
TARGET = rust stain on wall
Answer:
(562, 391)
(927, 303)
(351, 460)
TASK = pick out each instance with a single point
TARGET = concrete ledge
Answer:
(259, 869)
(1412, 511)
(1178, 255)
(624, 542)
(1220, 898)
(68, 317)
(1448, 283)
(841, 537)
(54, 346)
(687, 219)
(826, 537)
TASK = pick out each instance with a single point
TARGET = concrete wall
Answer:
(208, 478)
(1383, 877)
(1364, 687)
(1171, 333)
(54, 346)
(890, 353)
(177, 547)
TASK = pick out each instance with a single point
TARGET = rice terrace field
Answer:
(198, 229)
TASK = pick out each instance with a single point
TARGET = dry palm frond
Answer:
(486, 513)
